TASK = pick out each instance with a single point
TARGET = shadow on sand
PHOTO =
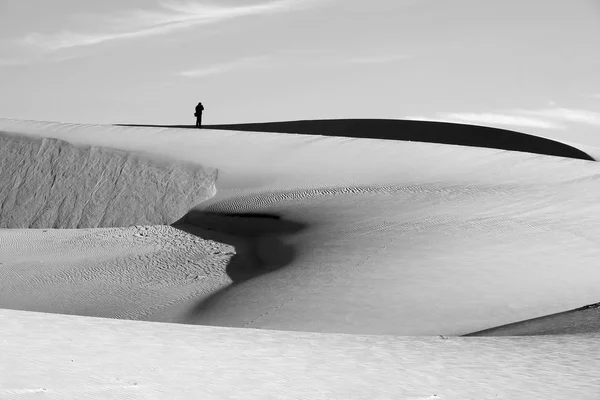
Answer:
(409, 130)
(259, 242)
(582, 320)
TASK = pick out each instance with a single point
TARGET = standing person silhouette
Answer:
(198, 114)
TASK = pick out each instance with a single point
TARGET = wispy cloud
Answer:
(327, 59)
(548, 118)
(9, 62)
(377, 59)
(168, 18)
(32, 60)
(567, 115)
(243, 63)
(283, 58)
(491, 119)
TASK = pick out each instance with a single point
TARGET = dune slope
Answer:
(370, 236)
(65, 357)
(128, 273)
(420, 131)
(49, 183)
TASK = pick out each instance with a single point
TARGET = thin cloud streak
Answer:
(11, 63)
(491, 119)
(377, 59)
(343, 60)
(548, 118)
(280, 59)
(567, 115)
(171, 17)
(8, 63)
(244, 63)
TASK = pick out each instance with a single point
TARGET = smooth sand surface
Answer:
(341, 237)
(50, 356)
(379, 237)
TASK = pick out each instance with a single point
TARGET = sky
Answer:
(527, 65)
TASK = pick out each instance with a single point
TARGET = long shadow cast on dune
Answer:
(259, 244)
(410, 130)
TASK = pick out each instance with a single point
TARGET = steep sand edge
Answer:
(49, 183)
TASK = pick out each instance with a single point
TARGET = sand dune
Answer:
(65, 357)
(412, 260)
(335, 235)
(419, 131)
(128, 273)
(369, 236)
(50, 183)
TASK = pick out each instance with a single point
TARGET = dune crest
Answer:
(417, 131)
(357, 236)
(50, 183)
(420, 131)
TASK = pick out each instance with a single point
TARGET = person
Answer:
(198, 114)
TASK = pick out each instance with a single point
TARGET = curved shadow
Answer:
(258, 240)
(410, 130)
(247, 225)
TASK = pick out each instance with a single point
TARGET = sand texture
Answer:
(369, 236)
(65, 357)
(50, 183)
(315, 241)
(128, 273)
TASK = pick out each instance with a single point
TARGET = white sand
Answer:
(127, 273)
(373, 237)
(63, 357)
(51, 183)
(398, 238)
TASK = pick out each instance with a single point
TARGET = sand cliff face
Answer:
(50, 183)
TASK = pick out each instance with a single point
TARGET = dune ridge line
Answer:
(343, 235)
(411, 130)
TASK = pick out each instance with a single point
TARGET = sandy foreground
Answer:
(50, 356)
(342, 237)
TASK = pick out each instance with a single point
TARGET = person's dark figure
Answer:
(198, 114)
